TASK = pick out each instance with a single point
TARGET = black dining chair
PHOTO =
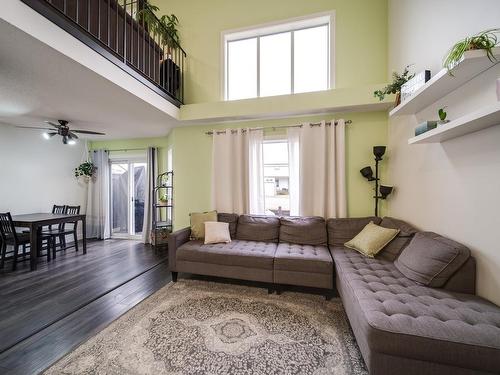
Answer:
(9, 237)
(62, 231)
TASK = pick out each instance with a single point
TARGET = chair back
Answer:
(7, 229)
(72, 210)
(57, 210)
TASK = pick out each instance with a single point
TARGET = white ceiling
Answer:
(37, 83)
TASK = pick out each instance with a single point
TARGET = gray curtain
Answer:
(151, 175)
(98, 220)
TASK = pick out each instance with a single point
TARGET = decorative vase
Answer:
(498, 89)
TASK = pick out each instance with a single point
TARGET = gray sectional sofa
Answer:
(401, 325)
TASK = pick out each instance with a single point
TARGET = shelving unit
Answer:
(164, 185)
(471, 122)
(472, 64)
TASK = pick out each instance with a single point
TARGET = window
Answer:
(285, 58)
(276, 177)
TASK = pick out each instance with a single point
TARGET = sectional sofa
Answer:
(402, 326)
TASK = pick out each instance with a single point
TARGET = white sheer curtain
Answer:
(151, 174)
(317, 170)
(98, 221)
(237, 175)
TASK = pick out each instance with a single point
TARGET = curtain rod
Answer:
(124, 149)
(274, 128)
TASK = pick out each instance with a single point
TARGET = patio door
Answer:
(128, 184)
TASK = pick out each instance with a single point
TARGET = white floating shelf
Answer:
(473, 63)
(472, 122)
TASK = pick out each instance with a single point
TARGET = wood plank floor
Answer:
(46, 313)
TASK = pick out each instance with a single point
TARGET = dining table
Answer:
(35, 222)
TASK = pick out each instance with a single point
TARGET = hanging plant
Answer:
(86, 169)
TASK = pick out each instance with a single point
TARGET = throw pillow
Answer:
(372, 239)
(217, 232)
(198, 223)
(431, 259)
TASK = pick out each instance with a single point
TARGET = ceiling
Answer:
(38, 83)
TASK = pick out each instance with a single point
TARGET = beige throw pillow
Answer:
(198, 223)
(372, 239)
(216, 232)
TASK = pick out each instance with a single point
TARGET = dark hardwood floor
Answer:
(46, 313)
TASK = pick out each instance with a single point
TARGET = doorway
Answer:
(128, 184)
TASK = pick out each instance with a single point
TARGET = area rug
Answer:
(201, 327)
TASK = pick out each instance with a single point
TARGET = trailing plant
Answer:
(485, 40)
(165, 26)
(86, 169)
(398, 80)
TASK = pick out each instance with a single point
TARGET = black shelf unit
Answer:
(163, 212)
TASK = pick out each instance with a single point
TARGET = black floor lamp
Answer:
(381, 191)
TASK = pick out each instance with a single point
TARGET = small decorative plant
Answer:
(442, 115)
(485, 40)
(398, 80)
(86, 169)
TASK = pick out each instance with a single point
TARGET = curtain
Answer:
(151, 174)
(237, 175)
(98, 220)
(317, 170)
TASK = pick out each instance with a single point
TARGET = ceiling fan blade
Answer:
(51, 134)
(53, 124)
(87, 132)
(34, 127)
(72, 135)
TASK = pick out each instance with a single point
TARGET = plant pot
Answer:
(398, 99)
(442, 122)
(170, 76)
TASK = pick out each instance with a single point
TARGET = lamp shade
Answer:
(385, 191)
(378, 151)
(367, 173)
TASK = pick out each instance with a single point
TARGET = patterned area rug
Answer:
(200, 327)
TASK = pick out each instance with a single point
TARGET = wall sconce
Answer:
(381, 191)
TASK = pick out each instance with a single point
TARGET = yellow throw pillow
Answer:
(372, 239)
(198, 223)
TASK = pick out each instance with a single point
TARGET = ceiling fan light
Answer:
(46, 135)
(71, 142)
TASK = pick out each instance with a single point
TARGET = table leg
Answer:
(84, 235)
(33, 246)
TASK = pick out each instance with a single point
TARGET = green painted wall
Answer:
(360, 37)
(193, 167)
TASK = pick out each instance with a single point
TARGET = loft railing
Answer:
(118, 30)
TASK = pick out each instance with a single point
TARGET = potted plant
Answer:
(85, 170)
(485, 40)
(398, 80)
(442, 116)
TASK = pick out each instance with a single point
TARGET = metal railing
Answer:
(120, 29)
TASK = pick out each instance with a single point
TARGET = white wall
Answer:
(36, 173)
(452, 188)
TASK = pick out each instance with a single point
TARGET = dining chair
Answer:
(62, 231)
(9, 237)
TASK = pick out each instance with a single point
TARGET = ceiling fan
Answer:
(62, 129)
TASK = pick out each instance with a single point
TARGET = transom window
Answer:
(281, 59)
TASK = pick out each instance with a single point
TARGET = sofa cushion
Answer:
(372, 239)
(258, 228)
(251, 254)
(231, 219)
(396, 246)
(303, 230)
(303, 258)
(431, 259)
(396, 316)
(342, 230)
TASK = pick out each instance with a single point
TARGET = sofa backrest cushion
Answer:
(431, 259)
(232, 220)
(258, 228)
(341, 231)
(396, 246)
(303, 230)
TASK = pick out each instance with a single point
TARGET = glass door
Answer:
(128, 184)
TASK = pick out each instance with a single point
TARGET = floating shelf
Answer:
(163, 224)
(472, 122)
(473, 63)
